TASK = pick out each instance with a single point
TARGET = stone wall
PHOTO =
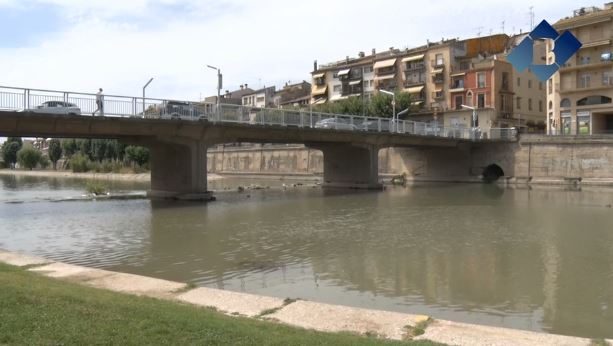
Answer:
(534, 158)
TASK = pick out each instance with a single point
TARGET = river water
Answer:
(536, 259)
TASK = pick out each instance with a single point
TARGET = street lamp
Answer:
(474, 126)
(219, 85)
(145, 87)
(393, 107)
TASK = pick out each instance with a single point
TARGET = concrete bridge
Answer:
(178, 141)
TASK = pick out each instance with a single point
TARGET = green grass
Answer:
(35, 310)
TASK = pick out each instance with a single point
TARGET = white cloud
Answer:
(118, 45)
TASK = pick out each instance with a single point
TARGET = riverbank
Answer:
(66, 312)
(141, 177)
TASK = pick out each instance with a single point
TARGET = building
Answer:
(293, 95)
(441, 76)
(263, 98)
(579, 95)
(231, 97)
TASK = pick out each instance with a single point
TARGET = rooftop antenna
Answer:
(531, 18)
(479, 29)
(503, 26)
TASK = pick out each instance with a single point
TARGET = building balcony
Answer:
(437, 63)
(411, 83)
(592, 86)
(415, 67)
(584, 67)
(438, 79)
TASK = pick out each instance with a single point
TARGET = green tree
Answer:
(138, 155)
(55, 151)
(381, 104)
(29, 157)
(9, 152)
(69, 147)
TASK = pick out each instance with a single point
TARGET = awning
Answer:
(319, 90)
(343, 72)
(355, 82)
(384, 77)
(413, 58)
(596, 44)
(438, 90)
(458, 74)
(415, 90)
(385, 63)
(319, 101)
(437, 71)
(319, 75)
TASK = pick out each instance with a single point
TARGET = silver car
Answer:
(335, 124)
(56, 107)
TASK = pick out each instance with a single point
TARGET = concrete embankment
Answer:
(141, 177)
(300, 313)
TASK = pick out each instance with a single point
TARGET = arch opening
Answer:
(492, 173)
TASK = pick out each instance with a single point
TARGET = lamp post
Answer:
(393, 107)
(219, 86)
(474, 122)
(145, 87)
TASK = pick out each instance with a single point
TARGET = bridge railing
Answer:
(63, 102)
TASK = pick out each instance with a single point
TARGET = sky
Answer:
(83, 45)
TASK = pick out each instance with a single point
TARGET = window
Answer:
(584, 80)
(469, 98)
(565, 103)
(529, 83)
(594, 100)
(540, 105)
(529, 104)
(365, 84)
(540, 85)
(458, 102)
(481, 100)
(439, 60)
(502, 103)
(585, 60)
(372, 83)
(518, 81)
(260, 99)
(368, 69)
(607, 78)
(481, 80)
(335, 74)
(337, 88)
(518, 105)
(505, 81)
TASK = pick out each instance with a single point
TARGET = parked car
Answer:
(336, 124)
(56, 107)
(179, 109)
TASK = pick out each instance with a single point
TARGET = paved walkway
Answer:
(300, 313)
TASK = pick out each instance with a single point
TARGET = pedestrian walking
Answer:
(99, 103)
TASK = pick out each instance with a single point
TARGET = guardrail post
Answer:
(301, 119)
(26, 98)
(378, 124)
(134, 106)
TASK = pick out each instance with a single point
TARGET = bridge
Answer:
(178, 134)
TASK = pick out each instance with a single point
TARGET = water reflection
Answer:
(539, 259)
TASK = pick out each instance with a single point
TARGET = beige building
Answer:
(579, 95)
(441, 76)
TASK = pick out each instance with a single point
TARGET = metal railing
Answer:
(74, 103)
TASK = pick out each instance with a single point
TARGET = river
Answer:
(536, 259)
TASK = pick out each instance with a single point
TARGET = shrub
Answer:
(29, 157)
(80, 163)
(96, 188)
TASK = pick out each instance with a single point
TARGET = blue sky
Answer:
(118, 45)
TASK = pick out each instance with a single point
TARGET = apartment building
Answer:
(579, 95)
(293, 95)
(263, 98)
(440, 76)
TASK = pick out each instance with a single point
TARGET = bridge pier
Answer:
(178, 170)
(352, 166)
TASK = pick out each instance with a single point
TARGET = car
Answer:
(179, 109)
(336, 124)
(56, 107)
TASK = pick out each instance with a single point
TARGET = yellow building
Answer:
(579, 95)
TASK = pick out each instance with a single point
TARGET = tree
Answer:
(29, 157)
(10, 149)
(69, 146)
(138, 155)
(55, 151)
(381, 104)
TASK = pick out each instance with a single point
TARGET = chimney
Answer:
(242, 86)
(427, 43)
(245, 85)
(361, 54)
(347, 59)
(315, 65)
(374, 51)
(391, 50)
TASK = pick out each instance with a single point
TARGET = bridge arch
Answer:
(492, 173)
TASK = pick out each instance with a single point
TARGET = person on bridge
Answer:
(99, 103)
